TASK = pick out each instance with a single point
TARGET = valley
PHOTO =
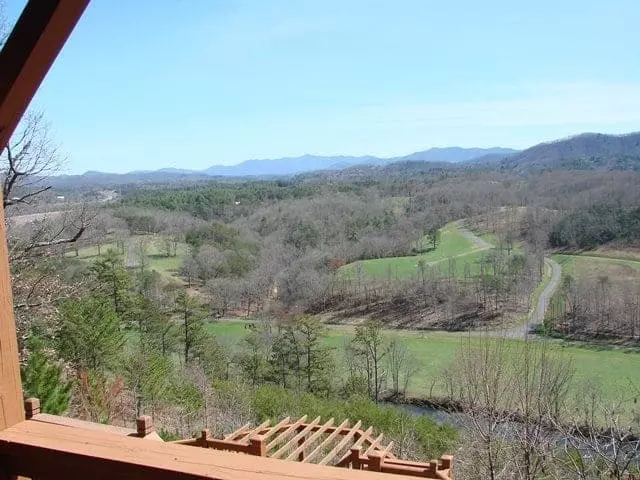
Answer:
(409, 282)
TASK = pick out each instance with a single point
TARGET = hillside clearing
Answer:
(453, 244)
(151, 245)
(612, 369)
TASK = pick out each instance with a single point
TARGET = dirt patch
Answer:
(405, 314)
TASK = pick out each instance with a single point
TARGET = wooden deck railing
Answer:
(323, 443)
(50, 447)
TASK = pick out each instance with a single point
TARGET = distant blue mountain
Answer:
(309, 163)
(456, 154)
(280, 166)
(288, 166)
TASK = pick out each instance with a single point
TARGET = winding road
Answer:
(536, 316)
(480, 243)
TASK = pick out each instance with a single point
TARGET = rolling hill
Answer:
(588, 151)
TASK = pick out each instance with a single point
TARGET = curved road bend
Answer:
(536, 317)
(468, 234)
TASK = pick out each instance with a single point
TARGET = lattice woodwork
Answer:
(324, 444)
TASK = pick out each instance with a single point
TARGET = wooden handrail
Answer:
(46, 451)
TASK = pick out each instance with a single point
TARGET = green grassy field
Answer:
(586, 265)
(88, 253)
(613, 369)
(167, 266)
(452, 245)
(569, 261)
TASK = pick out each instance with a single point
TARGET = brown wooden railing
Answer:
(323, 443)
(47, 447)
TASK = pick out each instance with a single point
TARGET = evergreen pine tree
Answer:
(42, 379)
(113, 280)
(90, 336)
(192, 316)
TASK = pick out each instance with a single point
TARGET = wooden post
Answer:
(31, 407)
(204, 438)
(300, 443)
(31, 48)
(433, 466)
(144, 426)
(11, 401)
(257, 447)
(447, 461)
(375, 461)
(355, 458)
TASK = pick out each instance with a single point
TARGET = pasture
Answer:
(614, 370)
(452, 252)
(151, 246)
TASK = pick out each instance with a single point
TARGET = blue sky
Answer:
(146, 84)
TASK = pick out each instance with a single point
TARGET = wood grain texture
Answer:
(29, 52)
(11, 400)
(38, 449)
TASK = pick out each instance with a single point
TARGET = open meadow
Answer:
(613, 369)
(147, 249)
(454, 251)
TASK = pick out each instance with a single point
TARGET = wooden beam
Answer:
(300, 434)
(363, 436)
(43, 450)
(342, 444)
(11, 400)
(275, 428)
(34, 43)
(75, 423)
(310, 440)
(287, 433)
(31, 48)
(384, 451)
(244, 428)
(253, 431)
(374, 445)
(325, 442)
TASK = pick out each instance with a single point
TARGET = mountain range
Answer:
(584, 151)
(305, 163)
(310, 163)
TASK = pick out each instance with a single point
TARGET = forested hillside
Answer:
(589, 151)
(219, 303)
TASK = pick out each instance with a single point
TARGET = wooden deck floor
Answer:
(42, 449)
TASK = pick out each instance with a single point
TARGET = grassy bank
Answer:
(613, 369)
(168, 266)
(452, 244)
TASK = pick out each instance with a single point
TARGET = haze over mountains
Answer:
(310, 163)
(585, 151)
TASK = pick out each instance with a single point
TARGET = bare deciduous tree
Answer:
(402, 366)
(28, 160)
(603, 440)
(512, 395)
(4, 26)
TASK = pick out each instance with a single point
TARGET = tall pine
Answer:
(191, 314)
(113, 280)
(42, 379)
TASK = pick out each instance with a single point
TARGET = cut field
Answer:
(618, 271)
(453, 251)
(619, 275)
(168, 266)
(614, 370)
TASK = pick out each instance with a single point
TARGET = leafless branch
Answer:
(58, 241)
(29, 159)
(4, 27)
(23, 199)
